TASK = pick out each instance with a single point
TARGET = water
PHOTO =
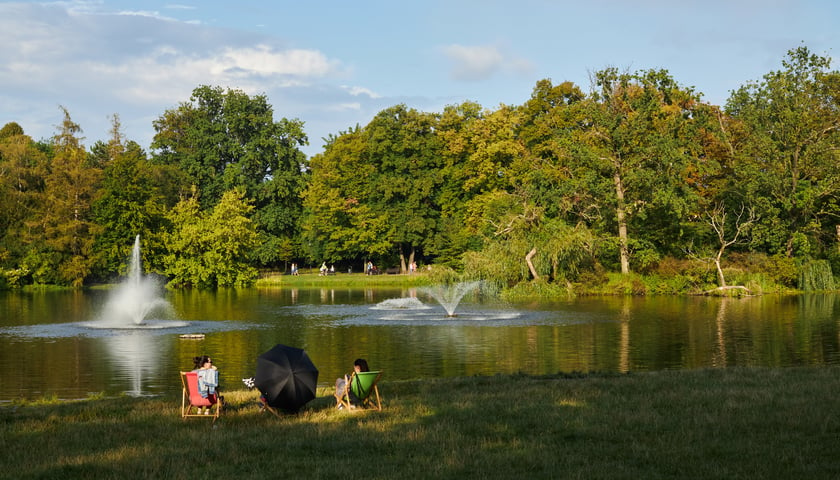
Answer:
(46, 347)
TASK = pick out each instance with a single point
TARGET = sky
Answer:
(336, 64)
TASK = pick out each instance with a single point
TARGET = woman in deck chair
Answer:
(208, 378)
(359, 365)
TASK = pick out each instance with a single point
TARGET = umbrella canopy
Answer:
(286, 377)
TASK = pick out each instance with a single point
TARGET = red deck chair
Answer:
(191, 400)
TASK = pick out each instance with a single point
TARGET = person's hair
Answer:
(362, 364)
(200, 361)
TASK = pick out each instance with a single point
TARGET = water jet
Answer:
(450, 295)
(137, 301)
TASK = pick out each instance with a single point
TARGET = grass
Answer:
(343, 280)
(726, 424)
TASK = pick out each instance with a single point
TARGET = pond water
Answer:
(49, 348)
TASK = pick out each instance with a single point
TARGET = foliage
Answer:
(224, 140)
(636, 176)
(788, 160)
(211, 248)
(61, 233)
(130, 203)
(373, 190)
(816, 275)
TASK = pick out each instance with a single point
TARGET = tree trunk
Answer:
(621, 218)
(528, 258)
(411, 257)
(837, 229)
(721, 278)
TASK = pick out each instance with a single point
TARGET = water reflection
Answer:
(135, 358)
(45, 349)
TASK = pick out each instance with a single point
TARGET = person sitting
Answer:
(208, 379)
(359, 365)
(323, 269)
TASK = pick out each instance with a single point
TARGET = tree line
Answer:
(636, 175)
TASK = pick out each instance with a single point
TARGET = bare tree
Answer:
(741, 224)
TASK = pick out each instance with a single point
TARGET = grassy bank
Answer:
(738, 423)
(343, 280)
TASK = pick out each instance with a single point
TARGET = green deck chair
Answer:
(362, 390)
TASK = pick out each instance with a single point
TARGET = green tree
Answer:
(130, 203)
(341, 222)
(23, 167)
(61, 235)
(373, 190)
(644, 139)
(211, 248)
(787, 166)
(224, 140)
(462, 132)
(405, 151)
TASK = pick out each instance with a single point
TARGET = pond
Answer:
(49, 346)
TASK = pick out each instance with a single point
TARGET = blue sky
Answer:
(335, 64)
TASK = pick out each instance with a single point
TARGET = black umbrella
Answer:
(286, 377)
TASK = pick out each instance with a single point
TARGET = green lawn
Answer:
(709, 424)
(343, 280)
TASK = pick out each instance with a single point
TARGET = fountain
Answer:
(449, 296)
(408, 303)
(133, 302)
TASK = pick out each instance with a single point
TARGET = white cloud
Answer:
(356, 91)
(480, 62)
(343, 107)
(473, 63)
(266, 61)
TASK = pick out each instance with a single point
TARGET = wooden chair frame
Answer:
(365, 399)
(192, 401)
(264, 406)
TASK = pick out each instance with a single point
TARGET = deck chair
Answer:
(191, 400)
(361, 391)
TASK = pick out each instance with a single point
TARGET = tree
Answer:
(340, 221)
(373, 190)
(129, 203)
(405, 151)
(787, 167)
(717, 218)
(211, 248)
(643, 137)
(10, 129)
(61, 236)
(224, 140)
(23, 167)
